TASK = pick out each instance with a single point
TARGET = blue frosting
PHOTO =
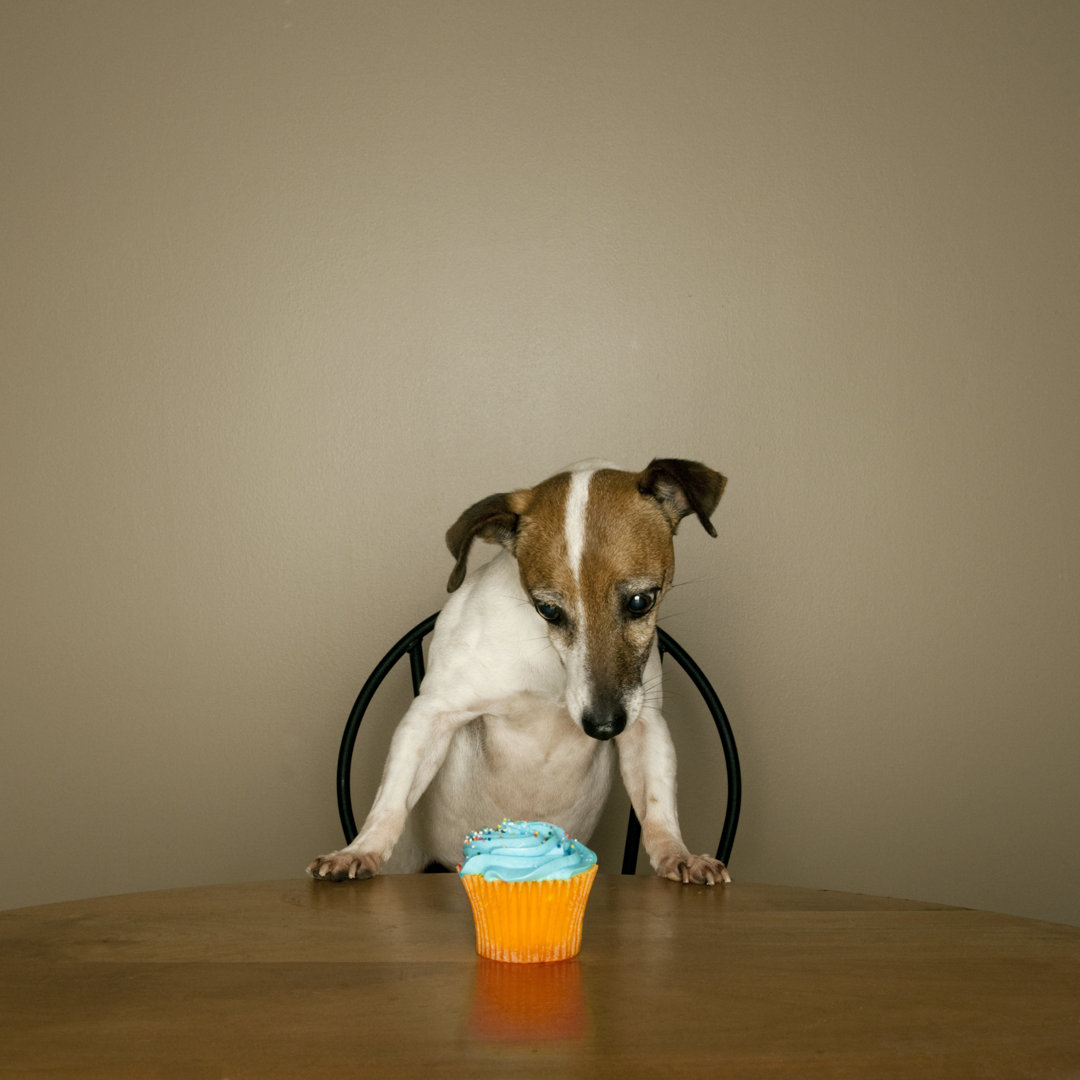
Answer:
(525, 851)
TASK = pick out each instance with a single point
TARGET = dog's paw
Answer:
(694, 870)
(343, 865)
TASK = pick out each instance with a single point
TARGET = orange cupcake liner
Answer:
(528, 922)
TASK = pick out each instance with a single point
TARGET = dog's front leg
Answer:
(417, 751)
(647, 765)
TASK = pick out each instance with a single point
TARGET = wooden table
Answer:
(380, 978)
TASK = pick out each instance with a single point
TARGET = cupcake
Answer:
(528, 883)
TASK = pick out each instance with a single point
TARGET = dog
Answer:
(542, 659)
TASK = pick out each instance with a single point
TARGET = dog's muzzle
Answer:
(604, 722)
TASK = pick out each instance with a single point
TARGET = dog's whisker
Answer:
(668, 616)
(690, 581)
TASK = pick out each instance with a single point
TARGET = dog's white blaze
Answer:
(577, 503)
(577, 669)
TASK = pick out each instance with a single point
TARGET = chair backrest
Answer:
(412, 645)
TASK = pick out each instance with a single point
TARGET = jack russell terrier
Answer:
(539, 660)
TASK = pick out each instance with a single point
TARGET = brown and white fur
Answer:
(539, 660)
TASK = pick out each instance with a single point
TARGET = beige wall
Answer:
(288, 284)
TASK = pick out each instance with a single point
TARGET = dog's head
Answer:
(595, 555)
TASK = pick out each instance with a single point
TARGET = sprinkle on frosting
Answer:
(524, 851)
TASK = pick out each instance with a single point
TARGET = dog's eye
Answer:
(640, 603)
(549, 612)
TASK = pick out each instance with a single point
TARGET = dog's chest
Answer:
(523, 740)
(528, 726)
(525, 758)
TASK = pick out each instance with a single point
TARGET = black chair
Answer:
(412, 644)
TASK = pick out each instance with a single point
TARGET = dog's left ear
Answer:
(492, 519)
(683, 487)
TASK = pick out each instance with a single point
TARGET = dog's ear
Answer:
(683, 487)
(492, 519)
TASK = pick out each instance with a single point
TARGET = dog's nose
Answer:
(604, 723)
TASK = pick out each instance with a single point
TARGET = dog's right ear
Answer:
(492, 519)
(683, 487)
